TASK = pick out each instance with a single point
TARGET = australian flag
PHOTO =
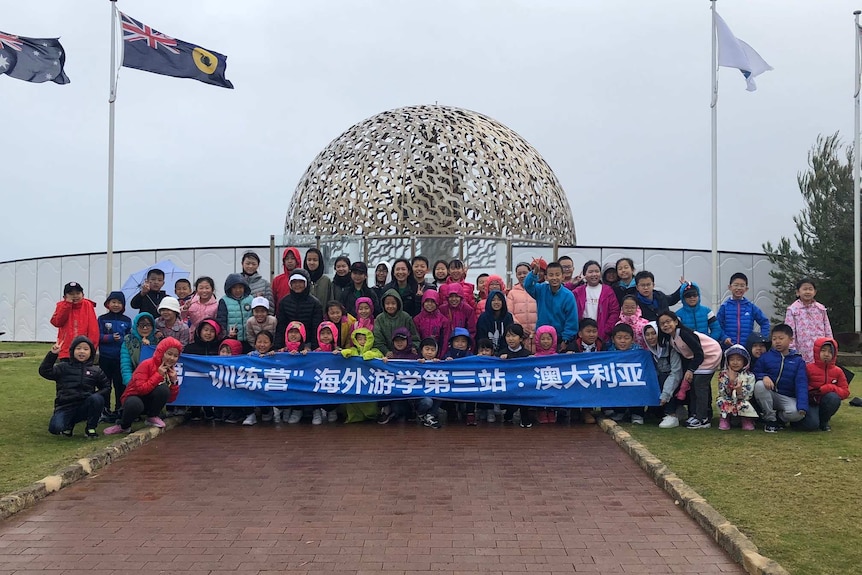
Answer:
(32, 59)
(151, 51)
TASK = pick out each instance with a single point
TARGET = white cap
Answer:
(170, 303)
(260, 302)
(298, 277)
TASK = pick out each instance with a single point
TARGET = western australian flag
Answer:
(32, 59)
(151, 51)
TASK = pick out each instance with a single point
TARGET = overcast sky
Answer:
(613, 93)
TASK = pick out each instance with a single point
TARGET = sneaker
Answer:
(771, 427)
(748, 424)
(724, 424)
(196, 414)
(114, 429)
(526, 423)
(826, 427)
(250, 419)
(317, 417)
(91, 433)
(491, 417)
(67, 432)
(589, 418)
(543, 416)
(233, 418)
(385, 417)
(276, 415)
(294, 417)
(332, 416)
(699, 424)
(638, 419)
(669, 421)
(429, 420)
(617, 416)
(471, 419)
(266, 417)
(689, 421)
(107, 416)
(209, 413)
(155, 422)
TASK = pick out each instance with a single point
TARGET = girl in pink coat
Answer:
(598, 301)
(430, 321)
(522, 306)
(458, 313)
(630, 313)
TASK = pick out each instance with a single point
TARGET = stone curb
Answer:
(740, 547)
(28, 497)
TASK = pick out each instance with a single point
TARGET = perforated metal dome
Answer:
(431, 170)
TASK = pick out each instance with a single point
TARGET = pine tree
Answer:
(822, 247)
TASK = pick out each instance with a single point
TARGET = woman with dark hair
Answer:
(321, 285)
(405, 284)
(341, 279)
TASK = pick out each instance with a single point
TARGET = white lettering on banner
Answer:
(548, 378)
(382, 382)
(436, 381)
(630, 374)
(409, 381)
(249, 378)
(611, 375)
(492, 382)
(353, 379)
(327, 380)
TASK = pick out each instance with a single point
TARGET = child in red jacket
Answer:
(75, 315)
(154, 383)
(827, 386)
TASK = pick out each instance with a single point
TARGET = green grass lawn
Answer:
(793, 493)
(27, 451)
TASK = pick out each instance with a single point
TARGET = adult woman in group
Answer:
(321, 285)
(405, 284)
(523, 306)
(341, 279)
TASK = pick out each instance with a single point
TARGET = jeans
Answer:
(66, 417)
(772, 402)
(150, 404)
(818, 416)
(422, 406)
(701, 395)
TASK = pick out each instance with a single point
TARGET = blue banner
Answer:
(611, 379)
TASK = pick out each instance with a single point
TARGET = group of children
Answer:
(548, 311)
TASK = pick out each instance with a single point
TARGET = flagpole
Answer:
(714, 164)
(111, 99)
(857, 236)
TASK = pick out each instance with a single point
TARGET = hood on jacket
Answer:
(403, 332)
(818, 345)
(318, 273)
(685, 287)
(503, 310)
(333, 329)
(495, 278)
(296, 256)
(232, 280)
(137, 320)
(392, 293)
(367, 300)
(79, 340)
(658, 350)
(165, 345)
(545, 329)
(447, 289)
(756, 337)
(210, 322)
(369, 339)
(234, 345)
(303, 273)
(430, 294)
(459, 332)
(739, 350)
(297, 325)
(119, 296)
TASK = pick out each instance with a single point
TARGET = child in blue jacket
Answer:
(737, 315)
(113, 327)
(695, 316)
(782, 382)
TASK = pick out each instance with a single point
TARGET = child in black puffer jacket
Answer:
(82, 388)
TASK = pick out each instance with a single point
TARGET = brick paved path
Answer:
(363, 499)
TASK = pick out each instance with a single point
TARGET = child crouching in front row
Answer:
(483, 347)
(514, 348)
(668, 367)
(735, 389)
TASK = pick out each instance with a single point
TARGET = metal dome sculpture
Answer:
(431, 170)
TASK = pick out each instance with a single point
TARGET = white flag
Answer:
(734, 53)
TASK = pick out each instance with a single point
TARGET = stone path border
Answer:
(28, 496)
(737, 545)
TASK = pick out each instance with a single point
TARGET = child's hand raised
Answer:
(55, 349)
